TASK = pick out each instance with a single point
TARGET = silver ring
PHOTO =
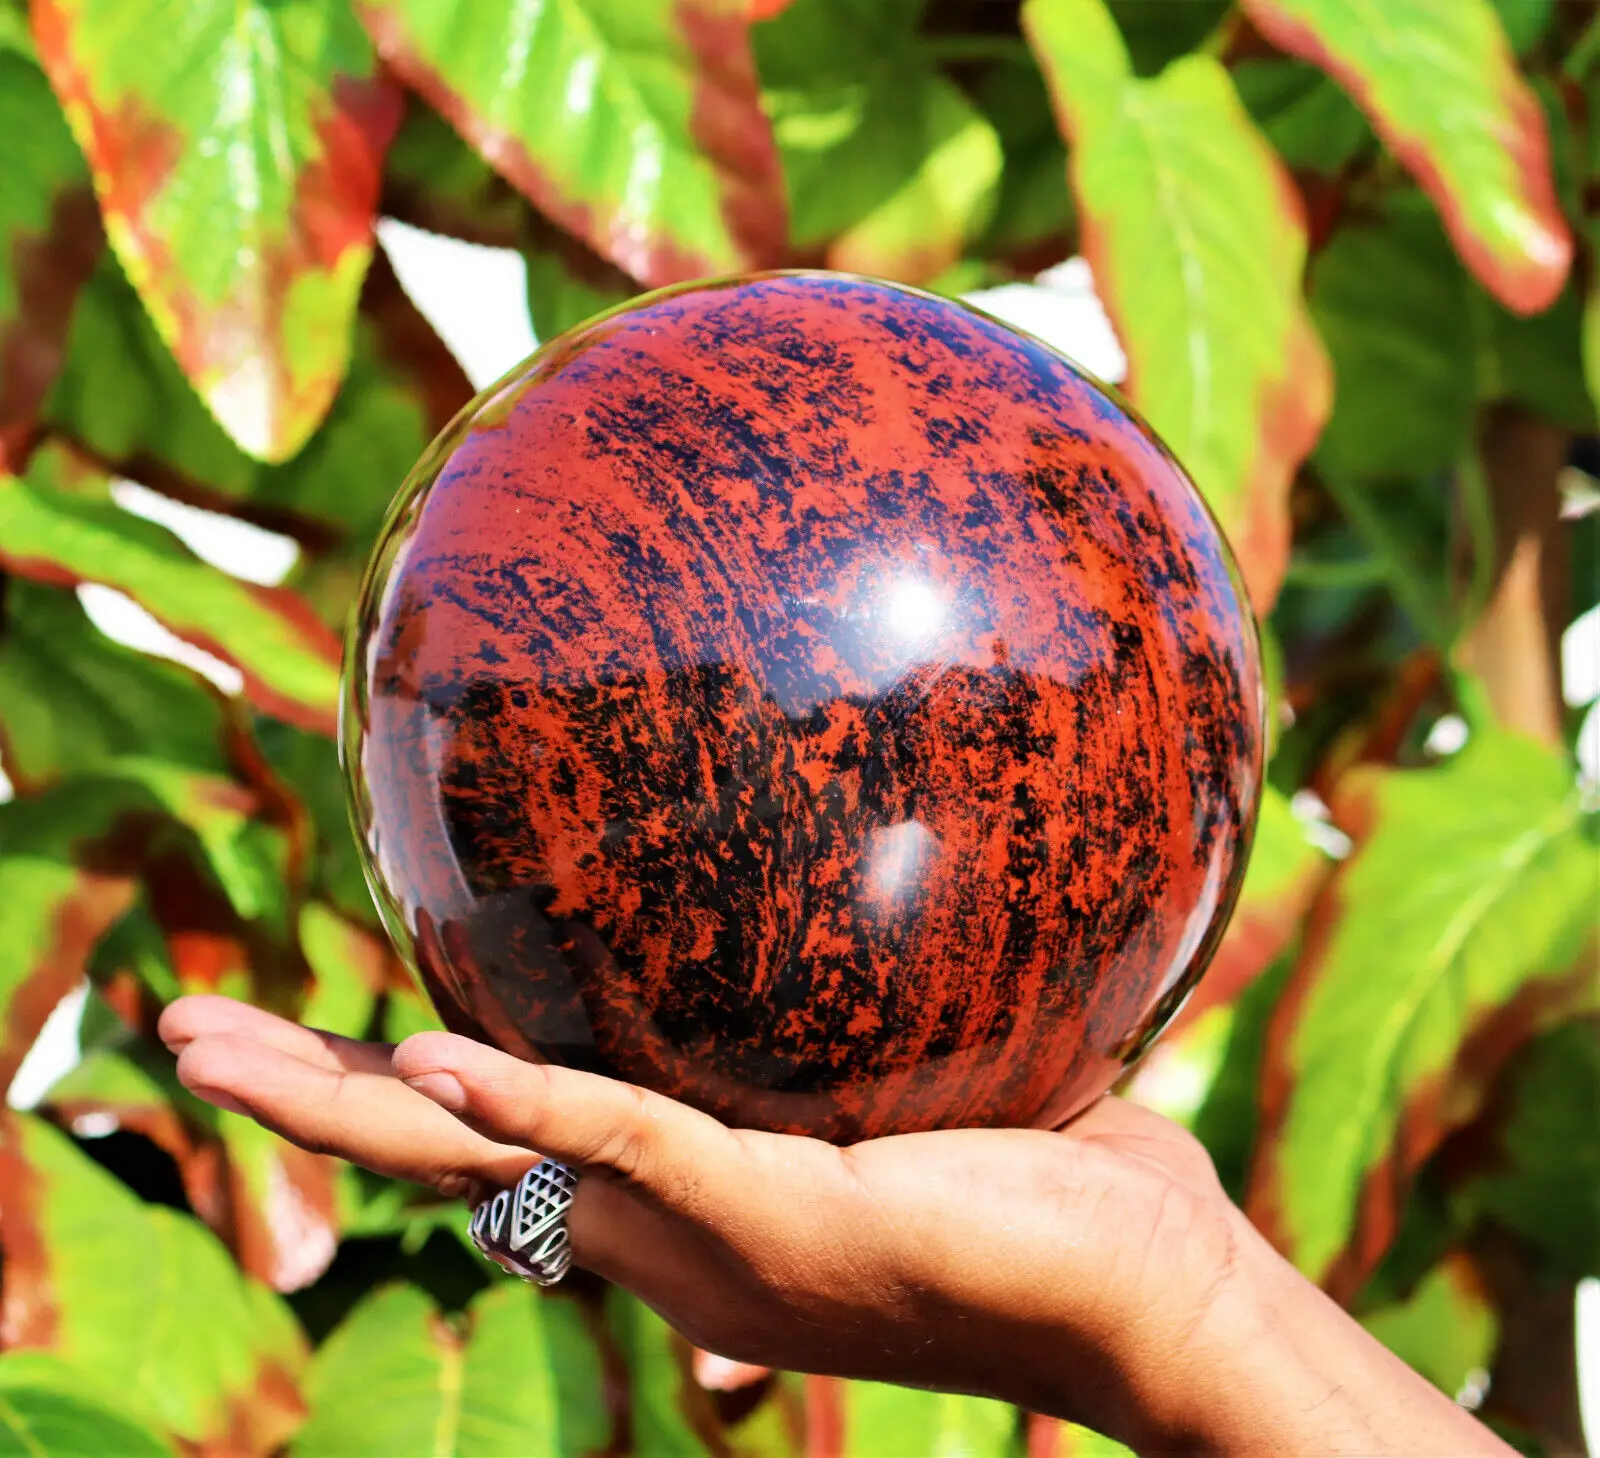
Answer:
(525, 1229)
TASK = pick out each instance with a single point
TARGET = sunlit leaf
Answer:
(635, 124)
(49, 240)
(1441, 87)
(398, 1377)
(289, 661)
(881, 1419)
(237, 163)
(1455, 930)
(140, 1298)
(61, 894)
(1197, 243)
(350, 968)
(50, 1410)
(890, 168)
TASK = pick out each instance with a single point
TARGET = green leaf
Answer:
(121, 396)
(1539, 364)
(61, 897)
(72, 702)
(1311, 123)
(1441, 87)
(890, 168)
(1396, 312)
(670, 1412)
(635, 124)
(1457, 921)
(1194, 233)
(1157, 32)
(289, 661)
(349, 966)
(47, 1411)
(1445, 1330)
(879, 1419)
(568, 283)
(237, 164)
(577, 1366)
(1033, 217)
(1525, 21)
(309, 765)
(140, 1298)
(1545, 1184)
(434, 180)
(398, 1377)
(49, 240)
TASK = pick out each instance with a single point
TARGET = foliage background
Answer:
(1349, 252)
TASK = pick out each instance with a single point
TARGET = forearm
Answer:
(1277, 1367)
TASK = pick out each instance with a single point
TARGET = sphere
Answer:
(812, 699)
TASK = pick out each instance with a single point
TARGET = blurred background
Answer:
(257, 252)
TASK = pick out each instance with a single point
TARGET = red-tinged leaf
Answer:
(49, 240)
(273, 1204)
(1046, 1437)
(1463, 923)
(62, 888)
(140, 1298)
(1440, 85)
(1197, 242)
(1285, 872)
(237, 163)
(288, 659)
(72, 702)
(128, 1085)
(642, 133)
(865, 1419)
(122, 399)
(284, 1227)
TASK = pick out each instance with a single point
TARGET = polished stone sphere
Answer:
(812, 699)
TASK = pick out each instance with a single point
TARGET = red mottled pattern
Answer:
(812, 699)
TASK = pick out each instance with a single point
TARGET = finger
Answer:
(370, 1119)
(375, 1121)
(203, 1016)
(655, 1143)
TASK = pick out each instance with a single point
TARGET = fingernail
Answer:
(220, 1099)
(443, 1088)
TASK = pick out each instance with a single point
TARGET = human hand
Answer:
(1099, 1274)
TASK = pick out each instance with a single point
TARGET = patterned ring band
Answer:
(525, 1229)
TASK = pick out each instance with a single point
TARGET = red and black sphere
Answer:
(812, 699)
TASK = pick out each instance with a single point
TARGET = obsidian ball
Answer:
(812, 699)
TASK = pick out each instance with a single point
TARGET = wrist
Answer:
(1271, 1364)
